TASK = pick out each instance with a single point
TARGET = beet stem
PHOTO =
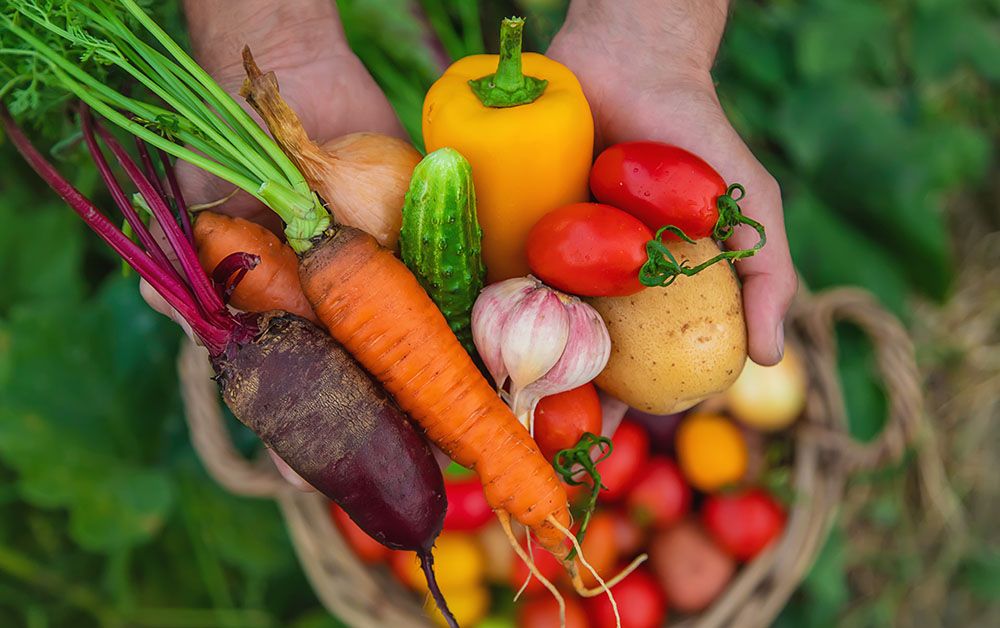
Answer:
(147, 165)
(146, 238)
(204, 295)
(427, 565)
(213, 337)
(239, 263)
(175, 191)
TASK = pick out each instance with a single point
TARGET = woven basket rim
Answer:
(825, 456)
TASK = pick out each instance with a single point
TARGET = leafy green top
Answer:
(50, 50)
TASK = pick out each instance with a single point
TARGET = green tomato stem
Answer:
(661, 267)
(570, 462)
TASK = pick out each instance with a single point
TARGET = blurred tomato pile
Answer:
(700, 492)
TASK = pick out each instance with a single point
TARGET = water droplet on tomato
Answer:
(635, 170)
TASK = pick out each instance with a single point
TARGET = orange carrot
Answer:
(375, 307)
(273, 284)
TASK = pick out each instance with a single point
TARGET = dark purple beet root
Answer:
(311, 403)
(284, 377)
(320, 411)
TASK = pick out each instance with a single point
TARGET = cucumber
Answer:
(440, 239)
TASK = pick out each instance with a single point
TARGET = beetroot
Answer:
(281, 375)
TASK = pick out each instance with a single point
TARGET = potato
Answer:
(674, 346)
(691, 568)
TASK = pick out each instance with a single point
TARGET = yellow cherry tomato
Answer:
(711, 451)
(468, 604)
(459, 562)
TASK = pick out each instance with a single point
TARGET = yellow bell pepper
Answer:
(529, 156)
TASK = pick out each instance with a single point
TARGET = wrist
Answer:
(675, 37)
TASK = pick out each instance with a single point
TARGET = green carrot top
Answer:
(50, 49)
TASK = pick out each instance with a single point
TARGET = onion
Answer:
(363, 177)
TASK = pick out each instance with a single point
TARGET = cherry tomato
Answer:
(547, 564)
(744, 523)
(467, 505)
(659, 184)
(589, 249)
(641, 603)
(630, 537)
(542, 611)
(599, 548)
(459, 563)
(468, 605)
(629, 454)
(660, 427)
(660, 497)
(561, 419)
(365, 547)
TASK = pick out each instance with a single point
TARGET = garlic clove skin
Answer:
(588, 348)
(489, 313)
(533, 337)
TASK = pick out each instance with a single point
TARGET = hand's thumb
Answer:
(158, 303)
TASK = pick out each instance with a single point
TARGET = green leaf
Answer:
(835, 36)
(944, 39)
(757, 56)
(829, 252)
(125, 507)
(88, 385)
(859, 154)
(980, 573)
(246, 533)
(861, 383)
(952, 153)
(45, 271)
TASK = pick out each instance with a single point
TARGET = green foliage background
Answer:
(872, 115)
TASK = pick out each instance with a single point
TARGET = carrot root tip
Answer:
(504, 518)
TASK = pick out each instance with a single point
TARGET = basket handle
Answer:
(208, 431)
(815, 318)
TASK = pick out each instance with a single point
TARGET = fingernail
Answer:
(779, 336)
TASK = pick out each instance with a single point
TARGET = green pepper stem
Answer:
(508, 86)
(661, 267)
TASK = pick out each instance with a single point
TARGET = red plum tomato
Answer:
(660, 497)
(561, 419)
(641, 603)
(744, 523)
(589, 249)
(629, 453)
(467, 505)
(660, 184)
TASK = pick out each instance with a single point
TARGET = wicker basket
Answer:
(824, 458)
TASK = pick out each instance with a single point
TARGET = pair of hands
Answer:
(644, 67)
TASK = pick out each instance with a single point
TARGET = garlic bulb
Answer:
(539, 339)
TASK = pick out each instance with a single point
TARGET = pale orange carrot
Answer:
(273, 284)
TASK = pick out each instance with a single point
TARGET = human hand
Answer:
(644, 67)
(303, 42)
(322, 80)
